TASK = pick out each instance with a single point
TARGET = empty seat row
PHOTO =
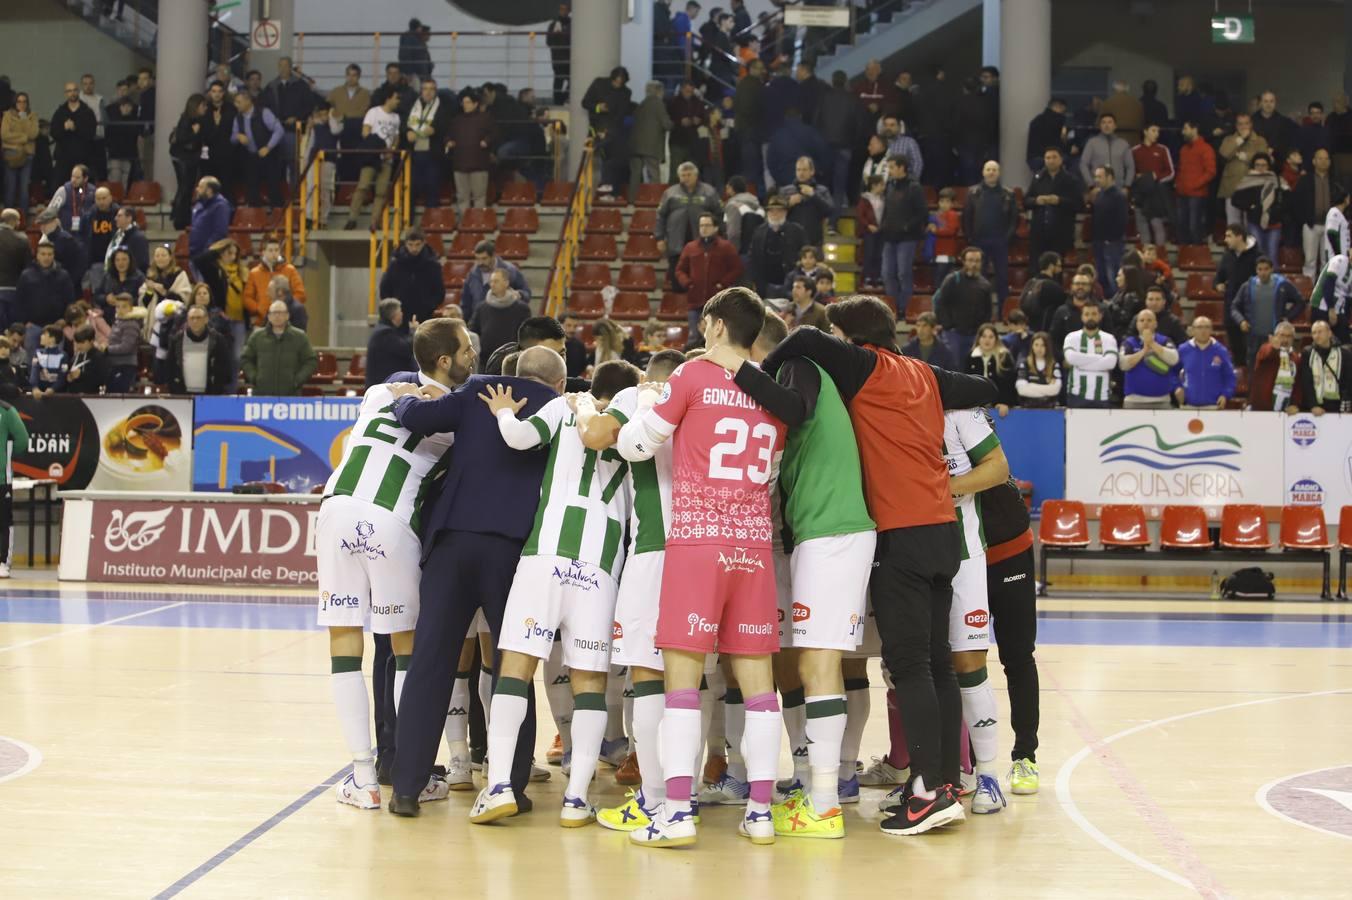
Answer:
(481, 220)
(1244, 526)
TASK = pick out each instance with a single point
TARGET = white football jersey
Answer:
(968, 437)
(649, 484)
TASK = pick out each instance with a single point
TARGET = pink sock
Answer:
(760, 703)
(680, 786)
(965, 750)
(898, 755)
(683, 699)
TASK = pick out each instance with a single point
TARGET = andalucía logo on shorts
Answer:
(577, 575)
(362, 545)
(740, 561)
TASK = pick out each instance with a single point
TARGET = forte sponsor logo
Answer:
(1321, 800)
(700, 625)
(535, 630)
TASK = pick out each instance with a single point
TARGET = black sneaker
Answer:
(916, 814)
(404, 806)
(524, 805)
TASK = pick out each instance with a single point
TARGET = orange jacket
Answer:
(256, 289)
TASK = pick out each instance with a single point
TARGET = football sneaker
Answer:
(787, 788)
(540, 773)
(633, 814)
(988, 797)
(798, 817)
(917, 815)
(361, 796)
(714, 768)
(883, 773)
(614, 752)
(458, 774)
(848, 790)
(437, 789)
(674, 830)
(493, 803)
(4, 570)
(1023, 777)
(554, 755)
(757, 826)
(968, 785)
(726, 791)
(576, 813)
(627, 773)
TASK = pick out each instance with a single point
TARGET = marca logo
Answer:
(577, 574)
(740, 561)
(977, 618)
(1144, 445)
(362, 545)
(533, 629)
(135, 531)
(1306, 492)
(701, 625)
(801, 612)
(1304, 430)
(616, 632)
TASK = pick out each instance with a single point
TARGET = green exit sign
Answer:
(1232, 29)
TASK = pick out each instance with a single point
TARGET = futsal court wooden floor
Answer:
(161, 741)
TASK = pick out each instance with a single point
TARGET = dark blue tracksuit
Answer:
(472, 538)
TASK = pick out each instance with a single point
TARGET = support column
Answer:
(990, 33)
(1025, 79)
(636, 48)
(283, 12)
(180, 65)
(1347, 48)
(594, 51)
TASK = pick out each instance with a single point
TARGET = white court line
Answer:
(90, 627)
(34, 759)
(1067, 800)
(1260, 797)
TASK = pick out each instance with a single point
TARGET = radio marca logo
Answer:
(1144, 445)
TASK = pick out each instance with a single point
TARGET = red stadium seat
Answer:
(356, 369)
(605, 221)
(144, 193)
(1123, 526)
(641, 248)
(631, 305)
(1213, 310)
(327, 373)
(1196, 258)
(438, 219)
(598, 248)
(1017, 278)
(463, 245)
(1185, 528)
(676, 337)
(1244, 526)
(1290, 259)
(919, 303)
(922, 279)
(181, 246)
(591, 276)
(1303, 528)
(586, 303)
(674, 307)
(513, 246)
(637, 277)
(521, 220)
(644, 221)
(1303, 284)
(453, 272)
(650, 195)
(116, 188)
(479, 220)
(1198, 287)
(557, 193)
(517, 193)
(1345, 527)
(1064, 524)
(250, 218)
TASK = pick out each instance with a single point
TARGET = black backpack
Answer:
(1251, 583)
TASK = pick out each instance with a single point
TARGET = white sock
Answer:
(559, 692)
(485, 690)
(857, 703)
(354, 719)
(678, 738)
(981, 714)
(399, 675)
(825, 726)
(509, 711)
(457, 716)
(628, 704)
(647, 720)
(760, 745)
(588, 728)
(615, 704)
(795, 723)
(734, 722)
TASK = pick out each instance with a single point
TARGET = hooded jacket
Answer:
(416, 281)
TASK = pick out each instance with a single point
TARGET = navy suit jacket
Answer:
(489, 488)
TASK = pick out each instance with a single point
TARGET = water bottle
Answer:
(1215, 585)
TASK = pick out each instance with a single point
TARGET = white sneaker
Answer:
(726, 791)
(566, 763)
(758, 827)
(988, 797)
(458, 774)
(4, 570)
(882, 773)
(614, 752)
(892, 798)
(576, 813)
(539, 773)
(362, 797)
(968, 785)
(493, 803)
(437, 789)
(676, 831)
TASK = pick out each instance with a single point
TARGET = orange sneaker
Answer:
(555, 754)
(714, 769)
(627, 772)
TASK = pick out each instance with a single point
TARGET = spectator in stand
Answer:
(1019, 336)
(575, 355)
(73, 201)
(742, 215)
(686, 110)
(976, 131)
(349, 102)
(903, 225)
(428, 122)
(486, 261)
(875, 159)
(1275, 128)
(471, 136)
(1207, 376)
(1048, 129)
(1090, 356)
(648, 144)
(809, 201)
(395, 84)
(1324, 377)
(926, 345)
(390, 347)
(270, 265)
(1150, 190)
(609, 104)
(218, 125)
(811, 90)
(1119, 313)
(210, 217)
(1128, 115)
(43, 292)
(1043, 295)
(809, 266)
(1262, 303)
(1260, 197)
(128, 235)
(991, 359)
(15, 253)
(867, 214)
(502, 312)
(259, 133)
(872, 90)
(123, 140)
(1038, 381)
(1157, 301)
(200, 357)
(414, 59)
(124, 343)
(185, 151)
(74, 133)
(224, 274)
(1196, 172)
(99, 227)
(1155, 270)
(1150, 361)
(1156, 113)
(380, 130)
(278, 358)
(69, 253)
(1238, 264)
(18, 140)
(558, 39)
(748, 112)
(706, 266)
(775, 247)
(415, 279)
(1313, 133)
(1314, 196)
(826, 287)
(1273, 373)
(1110, 225)
(839, 121)
(14, 336)
(792, 140)
(121, 276)
(88, 371)
(1053, 199)
(164, 280)
(963, 302)
(1238, 151)
(321, 137)
(1110, 150)
(804, 308)
(678, 213)
(47, 373)
(989, 220)
(898, 143)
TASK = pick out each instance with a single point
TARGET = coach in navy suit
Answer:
(472, 539)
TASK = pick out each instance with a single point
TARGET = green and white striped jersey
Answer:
(1335, 303)
(649, 484)
(968, 437)
(384, 463)
(1090, 361)
(584, 499)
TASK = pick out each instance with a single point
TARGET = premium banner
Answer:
(1158, 457)
(1317, 462)
(108, 443)
(296, 441)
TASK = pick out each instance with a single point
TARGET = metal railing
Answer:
(393, 220)
(570, 237)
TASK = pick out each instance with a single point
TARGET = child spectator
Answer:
(809, 267)
(826, 286)
(944, 226)
(1019, 337)
(88, 373)
(868, 213)
(123, 343)
(47, 373)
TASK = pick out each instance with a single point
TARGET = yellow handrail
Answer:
(574, 226)
(387, 231)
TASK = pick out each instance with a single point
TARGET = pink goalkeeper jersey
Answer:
(725, 458)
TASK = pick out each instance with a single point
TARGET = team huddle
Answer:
(742, 519)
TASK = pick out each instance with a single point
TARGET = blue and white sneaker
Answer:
(758, 826)
(567, 763)
(678, 830)
(786, 789)
(366, 796)
(892, 799)
(726, 791)
(576, 813)
(988, 797)
(493, 803)
(848, 790)
(614, 752)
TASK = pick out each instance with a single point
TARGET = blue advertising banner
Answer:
(296, 441)
(1034, 440)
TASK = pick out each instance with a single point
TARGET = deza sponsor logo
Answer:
(1141, 462)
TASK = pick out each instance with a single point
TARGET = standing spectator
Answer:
(1313, 133)
(1207, 374)
(123, 132)
(559, 39)
(976, 131)
(648, 146)
(867, 214)
(706, 266)
(1150, 190)
(390, 347)
(1043, 295)
(809, 201)
(875, 159)
(414, 59)
(722, 58)
(1273, 373)
(14, 257)
(1053, 199)
(989, 219)
(145, 114)
(748, 113)
(1149, 360)
(164, 280)
(428, 122)
(1165, 323)
(349, 102)
(200, 357)
(679, 210)
(742, 215)
(88, 371)
(18, 140)
(124, 344)
(185, 151)
(99, 228)
(872, 90)
(50, 364)
(811, 90)
(1196, 172)
(935, 125)
(1019, 337)
(380, 137)
(69, 253)
(608, 103)
(414, 277)
(1324, 376)
(792, 140)
(130, 236)
(501, 313)
(775, 247)
(222, 271)
(470, 140)
(1048, 129)
(905, 217)
(258, 133)
(1238, 264)
(1090, 357)
(901, 144)
(270, 265)
(840, 122)
(1261, 197)
(397, 85)
(320, 137)
(1238, 150)
(926, 345)
(1110, 150)
(73, 201)
(1128, 115)
(944, 230)
(210, 217)
(1263, 302)
(43, 293)
(278, 358)
(991, 359)
(687, 113)
(91, 98)
(1110, 226)
(1314, 195)
(279, 288)
(120, 276)
(74, 132)
(1337, 236)
(218, 145)
(1038, 381)
(292, 100)
(1276, 129)
(1156, 113)
(486, 262)
(963, 303)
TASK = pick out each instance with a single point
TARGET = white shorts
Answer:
(825, 608)
(969, 620)
(553, 596)
(870, 643)
(369, 567)
(634, 633)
